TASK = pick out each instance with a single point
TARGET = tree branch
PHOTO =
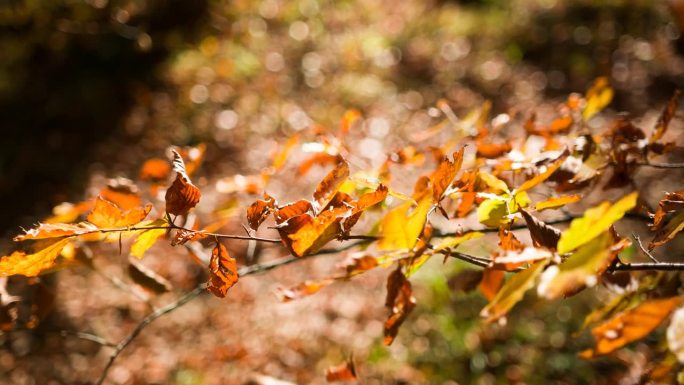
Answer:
(661, 165)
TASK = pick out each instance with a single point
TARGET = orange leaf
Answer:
(445, 174)
(56, 230)
(302, 290)
(106, 214)
(491, 150)
(491, 282)
(332, 182)
(665, 118)
(31, 265)
(123, 192)
(343, 372)
(348, 120)
(184, 236)
(182, 195)
(281, 157)
(223, 270)
(545, 175)
(366, 201)
(400, 301)
(555, 202)
(674, 226)
(306, 234)
(321, 159)
(358, 265)
(155, 169)
(671, 203)
(630, 325)
(258, 211)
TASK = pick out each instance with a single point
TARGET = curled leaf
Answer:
(542, 234)
(332, 182)
(182, 195)
(56, 230)
(258, 211)
(223, 271)
(302, 290)
(446, 172)
(674, 226)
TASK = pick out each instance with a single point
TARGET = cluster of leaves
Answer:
(486, 179)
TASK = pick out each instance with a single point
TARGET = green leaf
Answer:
(493, 212)
(595, 221)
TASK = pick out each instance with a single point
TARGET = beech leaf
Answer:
(302, 290)
(223, 271)
(332, 182)
(445, 174)
(31, 265)
(512, 292)
(598, 97)
(673, 226)
(541, 233)
(400, 229)
(182, 195)
(56, 230)
(556, 202)
(258, 211)
(399, 301)
(147, 238)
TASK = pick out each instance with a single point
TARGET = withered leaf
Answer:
(671, 203)
(223, 271)
(555, 202)
(258, 211)
(184, 236)
(332, 182)
(400, 301)
(305, 234)
(106, 214)
(304, 289)
(145, 277)
(598, 97)
(343, 372)
(542, 234)
(513, 259)
(665, 117)
(491, 282)
(182, 195)
(122, 192)
(56, 230)
(673, 226)
(491, 150)
(360, 264)
(630, 325)
(445, 174)
(544, 175)
(366, 201)
(281, 157)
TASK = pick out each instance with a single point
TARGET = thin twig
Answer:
(661, 165)
(648, 254)
(655, 266)
(88, 337)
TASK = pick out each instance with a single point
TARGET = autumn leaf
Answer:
(183, 236)
(452, 242)
(491, 282)
(446, 172)
(671, 203)
(304, 289)
(147, 238)
(360, 264)
(491, 150)
(155, 169)
(513, 259)
(346, 371)
(512, 292)
(400, 229)
(281, 157)
(145, 277)
(594, 222)
(556, 202)
(673, 226)
(56, 230)
(329, 186)
(399, 301)
(598, 97)
(542, 234)
(465, 281)
(550, 169)
(665, 118)
(223, 271)
(630, 325)
(258, 211)
(495, 211)
(366, 201)
(122, 192)
(492, 181)
(182, 195)
(578, 271)
(106, 215)
(31, 265)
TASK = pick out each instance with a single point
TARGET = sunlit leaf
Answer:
(223, 271)
(556, 202)
(598, 97)
(594, 222)
(512, 292)
(56, 230)
(401, 227)
(451, 242)
(630, 325)
(184, 236)
(281, 157)
(673, 226)
(350, 117)
(493, 182)
(366, 201)
(258, 211)
(494, 212)
(122, 192)
(491, 150)
(550, 169)
(155, 169)
(513, 259)
(491, 282)
(302, 290)
(148, 238)
(332, 182)
(360, 264)
(445, 174)
(106, 215)
(578, 271)
(182, 195)
(31, 265)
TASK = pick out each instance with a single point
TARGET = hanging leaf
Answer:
(31, 265)
(332, 182)
(258, 211)
(491, 282)
(182, 195)
(556, 202)
(542, 234)
(223, 271)
(302, 290)
(671, 203)
(594, 222)
(399, 301)
(578, 271)
(665, 118)
(148, 238)
(56, 230)
(400, 229)
(145, 277)
(512, 292)
(304, 234)
(674, 226)
(446, 172)
(630, 325)
(598, 97)
(184, 236)
(107, 215)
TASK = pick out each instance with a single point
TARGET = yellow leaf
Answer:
(595, 221)
(493, 182)
(147, 238)
(598, 97)
(451, 242)
(512, 292)
(493, 212)
(579, 270)
(399, 229)
(556, 202)
(19, 263)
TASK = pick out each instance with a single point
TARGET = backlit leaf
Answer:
(155, 169)
(258, 211)
(56, 230)
(594, 222)
(671, 203)
(493, 182)
(598, 97)
(528, 184)
(281, 157)
(674, 226)
(556, 202)
(343, 372)
(31, 265)
(513, 259)
(148, 238)
(332, 182)
(445, 174)
(512, 292)
(182, 195)
(491, 282)
(400, 229)
(122, 192)
(451, 242)
(223, 271)
(302, 290)
(106, 215)
(630, 325)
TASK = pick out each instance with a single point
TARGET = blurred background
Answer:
(91, 89)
